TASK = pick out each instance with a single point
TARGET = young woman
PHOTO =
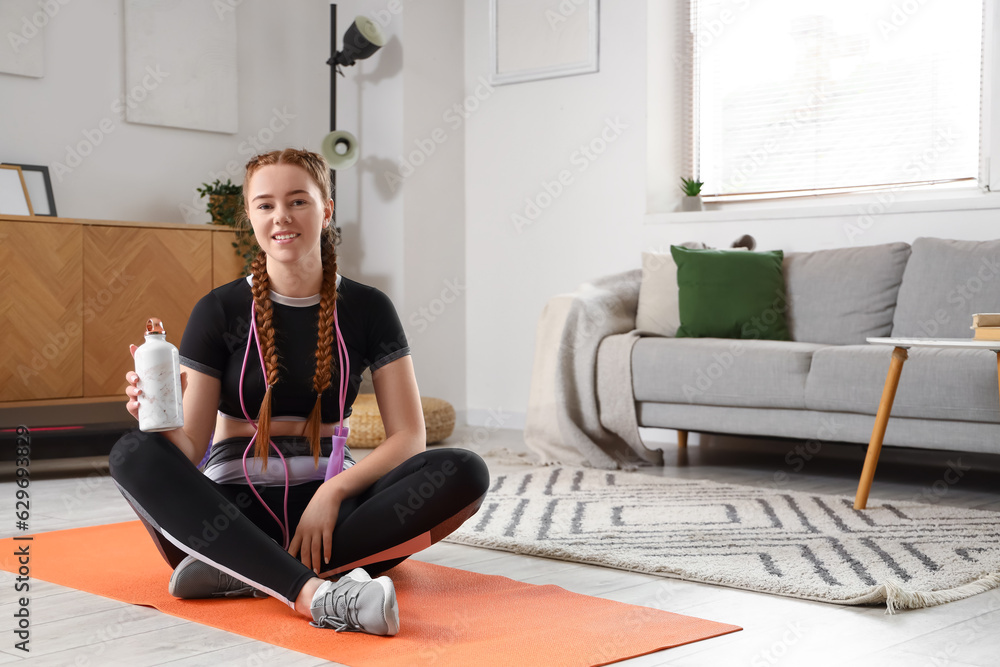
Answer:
(264, 360)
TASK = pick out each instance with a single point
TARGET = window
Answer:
(797, 97)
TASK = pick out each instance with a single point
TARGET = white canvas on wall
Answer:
(22, 25)
(542, 39)
(180, 65)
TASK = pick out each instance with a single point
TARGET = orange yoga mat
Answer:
(447, 616)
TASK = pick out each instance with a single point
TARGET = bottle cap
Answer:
(154, 326)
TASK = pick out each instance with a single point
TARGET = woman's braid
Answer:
(265, 330)
(326, 339)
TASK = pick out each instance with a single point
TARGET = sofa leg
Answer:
(682, 439)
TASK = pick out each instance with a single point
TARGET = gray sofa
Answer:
(825, 383)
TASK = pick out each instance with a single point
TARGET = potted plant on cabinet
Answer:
(225, 205)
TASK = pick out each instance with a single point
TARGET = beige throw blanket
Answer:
(581, 409)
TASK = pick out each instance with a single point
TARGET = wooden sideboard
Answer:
(75, 293)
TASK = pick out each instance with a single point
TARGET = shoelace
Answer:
(230, 586)
(349, 595)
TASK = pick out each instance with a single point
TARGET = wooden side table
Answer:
(899, 355)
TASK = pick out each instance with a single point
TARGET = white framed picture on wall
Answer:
(38, 186)
(542, 39)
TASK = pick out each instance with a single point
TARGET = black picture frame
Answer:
(36, 206)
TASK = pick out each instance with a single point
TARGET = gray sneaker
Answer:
(356, 603)
(195, 580)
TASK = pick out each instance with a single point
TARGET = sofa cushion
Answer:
(658, 312)
(936, 383)
(726, 294)
(843, 296)
(945, 282)
(720, 371)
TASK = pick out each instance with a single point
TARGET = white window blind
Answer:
(796, 97)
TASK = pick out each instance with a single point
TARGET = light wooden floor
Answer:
(74, 628)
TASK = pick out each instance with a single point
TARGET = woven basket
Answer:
(366, 422)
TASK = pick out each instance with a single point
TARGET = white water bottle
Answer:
(158, 365)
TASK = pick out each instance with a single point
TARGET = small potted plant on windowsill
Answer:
(692, 194)
(225, 205)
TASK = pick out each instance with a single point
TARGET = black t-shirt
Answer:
(215, 342)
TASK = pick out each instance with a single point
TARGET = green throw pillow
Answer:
(726, 294)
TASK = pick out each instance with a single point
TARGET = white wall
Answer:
(434, 297)
(521, 138)
(405, 202)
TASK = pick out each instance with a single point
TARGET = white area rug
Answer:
(816, 547)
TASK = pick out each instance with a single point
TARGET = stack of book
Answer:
(986, 326)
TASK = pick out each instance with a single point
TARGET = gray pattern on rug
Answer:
(805, 545)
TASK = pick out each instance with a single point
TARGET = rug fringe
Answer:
(897, 597)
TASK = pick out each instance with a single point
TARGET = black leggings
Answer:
(419, 502)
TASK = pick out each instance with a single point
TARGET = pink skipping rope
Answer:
(335, 463)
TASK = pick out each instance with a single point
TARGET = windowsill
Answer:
(876, 203)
